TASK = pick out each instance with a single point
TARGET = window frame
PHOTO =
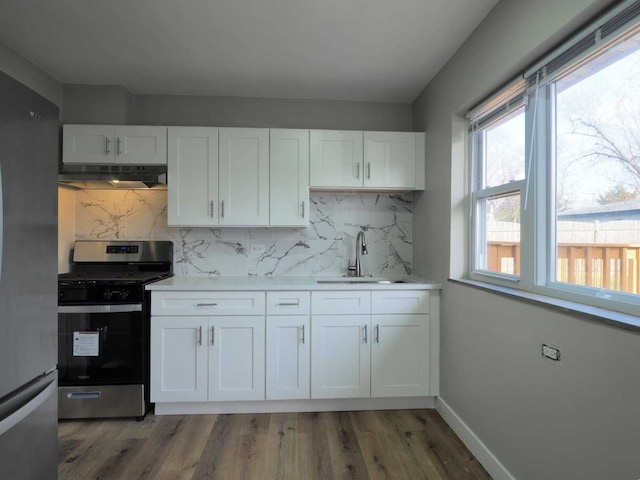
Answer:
(538, 246)
(478, 192)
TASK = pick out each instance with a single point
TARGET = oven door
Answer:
(101, 344)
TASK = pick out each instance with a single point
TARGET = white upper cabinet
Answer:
(367, 160)
(111, 144)
(336, 159)
(244, 176)
(141, 145)
(87, 144)
(192, 176)
(390, 160)
(289, 177)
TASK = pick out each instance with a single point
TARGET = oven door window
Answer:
(100, 348)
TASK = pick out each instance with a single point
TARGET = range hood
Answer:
(102, 177)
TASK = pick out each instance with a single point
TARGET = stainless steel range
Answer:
(103, 327)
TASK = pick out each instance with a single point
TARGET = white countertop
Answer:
(289, 283)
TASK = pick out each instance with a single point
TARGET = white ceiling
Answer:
(376, 50)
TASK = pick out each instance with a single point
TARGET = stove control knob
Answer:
(124, 295)
(107, 295)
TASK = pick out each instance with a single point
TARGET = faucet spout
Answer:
(361, 249)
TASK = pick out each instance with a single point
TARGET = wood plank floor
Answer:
(396, 445)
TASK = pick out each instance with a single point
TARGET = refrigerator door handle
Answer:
(28, 406)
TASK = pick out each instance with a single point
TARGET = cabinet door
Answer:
(341, 356)
(288, 357)
(244, 176)
(141, 145)
(88, 144)
(289, 177)
(178, 359)
(192, 172)
(336, 159)
(390, 160)
(236, 358)
(400, 356)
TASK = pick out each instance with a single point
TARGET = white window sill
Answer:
(580, 310)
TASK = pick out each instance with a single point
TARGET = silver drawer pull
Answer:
(288, 304)
(84, 395)
(366, 338)
(302, 327)
(213, 335)
(206, 304)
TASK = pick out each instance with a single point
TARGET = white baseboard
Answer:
(486, 458)
(282, 406)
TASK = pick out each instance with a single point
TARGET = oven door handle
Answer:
(132, 307)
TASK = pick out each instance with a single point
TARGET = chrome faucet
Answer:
(361, 249)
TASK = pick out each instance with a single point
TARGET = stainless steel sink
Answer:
(364, 280)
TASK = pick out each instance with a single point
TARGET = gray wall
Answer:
(114, 104)
(577, 420)
(29, 74)
(97, 104)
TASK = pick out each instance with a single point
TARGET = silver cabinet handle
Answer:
(106, 145)
(302, 327)
(368, 170)
(358, 170)
(118, 146)
(200, 335)
(377, 333)
(288, 304)
(302, 209)
(213, 335)
(211, 208)
(366, 340)
(222, 209)
(206, 304)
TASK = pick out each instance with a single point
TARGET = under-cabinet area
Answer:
(258, 350)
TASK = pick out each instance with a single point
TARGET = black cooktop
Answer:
(105, 278)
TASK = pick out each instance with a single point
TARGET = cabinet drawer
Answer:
(400, 301)
(288, 303)
(207, 303)
(340, 303)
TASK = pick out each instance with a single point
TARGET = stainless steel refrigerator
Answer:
(29, 138)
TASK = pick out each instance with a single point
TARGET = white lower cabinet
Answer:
(288, 357)
(195, 359)
(234, 346)
(381, 349)
(178, 359)
(399, 356)
(341, 356)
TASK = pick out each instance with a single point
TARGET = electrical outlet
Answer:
(259, 249)
(552, 353)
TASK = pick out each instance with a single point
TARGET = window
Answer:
(555, 185)
(500, 156)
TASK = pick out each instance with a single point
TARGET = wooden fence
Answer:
(609, 266)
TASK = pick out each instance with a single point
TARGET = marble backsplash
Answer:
(324, 248)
